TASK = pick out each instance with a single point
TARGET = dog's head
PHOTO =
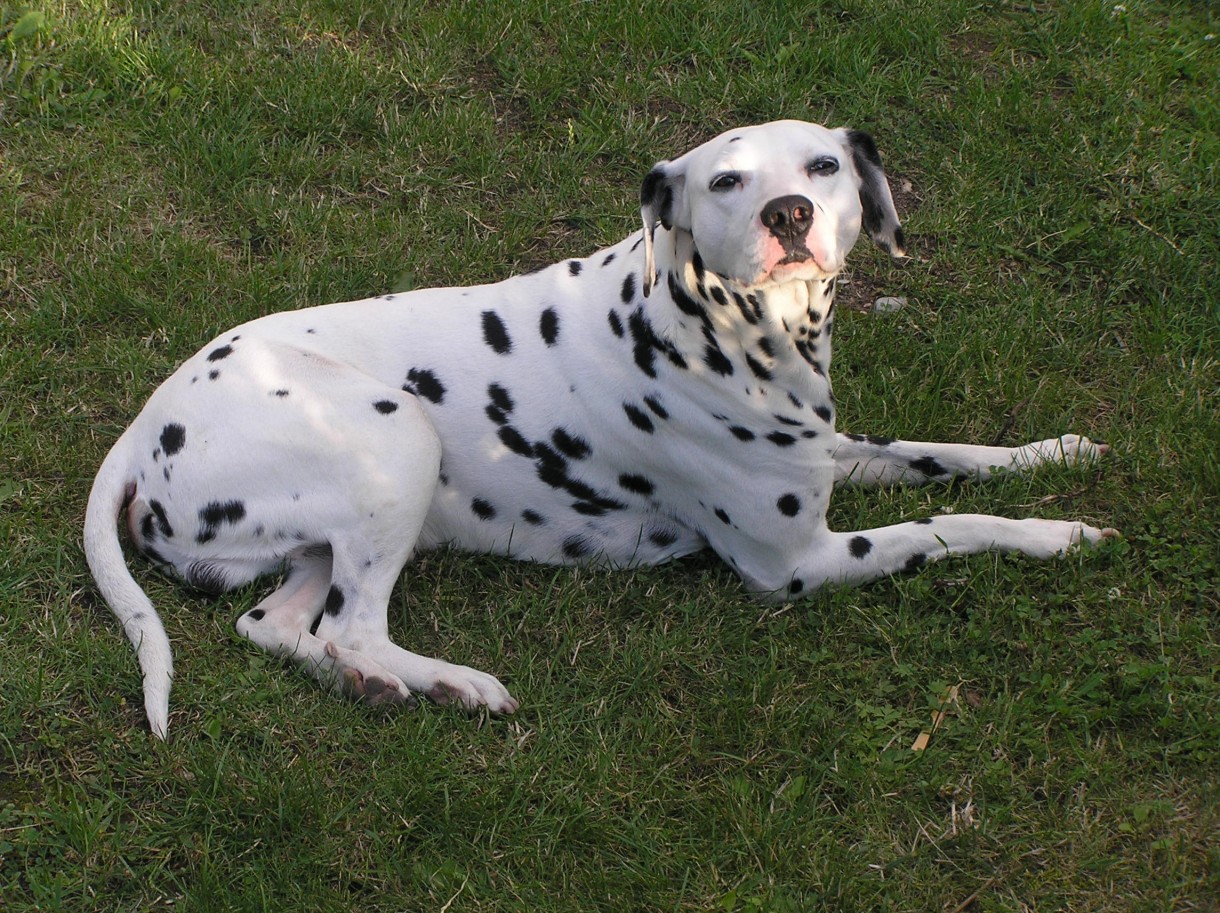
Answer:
(775, 203)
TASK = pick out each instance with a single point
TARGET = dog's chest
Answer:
(578, 430)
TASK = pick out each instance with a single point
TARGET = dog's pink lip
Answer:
(794, 265)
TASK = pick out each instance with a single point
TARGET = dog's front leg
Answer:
(857, 557)
(870, 460)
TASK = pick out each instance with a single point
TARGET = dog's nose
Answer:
(788, 218)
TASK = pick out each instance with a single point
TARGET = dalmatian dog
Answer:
(664, 395)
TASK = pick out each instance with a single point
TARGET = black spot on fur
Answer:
(616, 324)
(610, 258)
(575, 547)
(796, 585)
(924, 521)
(637, 484)
(781, 439)
(645, 342)
(874, 440)
(279, 393)
(574, 267)
(511, 438)
(859, 546)
(686, 304)
(532, 517)
(173, 436)
(163, 526)
(212, 375)
(696, 261)
(655, 405)
(716, 360)
(482, 509)
(723, 516)
(789, 504)
(219, 353)
(757, 368)
(915, 562)
(548, 325)
(335, 600)
(385, 406)
(495, 333)
(928, 466)
(570, 444)
(747, 312)
(637, 417)
(627, 292)
(662, 538)
(742, 434)
(256, 614)
(500, 397)
(215, 514)
(206, 576)
(825, 413)
(785, 420)
(424, 383)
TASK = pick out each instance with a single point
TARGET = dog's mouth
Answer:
(796, 264)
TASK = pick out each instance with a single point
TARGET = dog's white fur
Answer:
(666, 394)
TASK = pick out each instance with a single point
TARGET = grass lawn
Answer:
(170, 169)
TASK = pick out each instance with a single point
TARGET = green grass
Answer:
(170, 169)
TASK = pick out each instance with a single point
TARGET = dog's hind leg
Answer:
(365, 504)
(283, 623)
(354, 623)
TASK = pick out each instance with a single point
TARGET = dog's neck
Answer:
(777, 333)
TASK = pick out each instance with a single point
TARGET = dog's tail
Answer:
(111, 490)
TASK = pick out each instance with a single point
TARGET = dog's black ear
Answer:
(880, 215)
(662, 199)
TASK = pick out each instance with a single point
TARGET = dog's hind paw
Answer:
(360, 679)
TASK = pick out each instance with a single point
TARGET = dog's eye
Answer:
(726, 181)
(823, 166)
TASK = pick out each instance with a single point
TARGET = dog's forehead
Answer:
(767, 146)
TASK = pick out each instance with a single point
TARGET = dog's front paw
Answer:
(472, 689)
(1070, 449)
(1093, 535)
(1051, 538)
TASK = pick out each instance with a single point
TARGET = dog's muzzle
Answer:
(788, 218)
